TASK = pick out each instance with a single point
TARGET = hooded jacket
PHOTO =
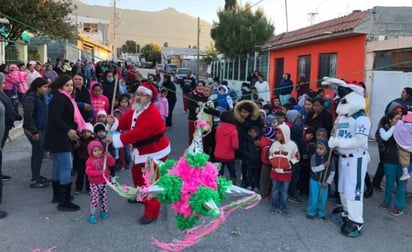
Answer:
(226, 142)
(317, 165)
(94, 165)
(99, 102)
(283, 155)
(223, 101)
(285, 86)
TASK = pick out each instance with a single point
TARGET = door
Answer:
(279, 67)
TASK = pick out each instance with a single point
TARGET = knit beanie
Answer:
(99, 127)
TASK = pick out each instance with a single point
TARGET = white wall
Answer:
(386, 86)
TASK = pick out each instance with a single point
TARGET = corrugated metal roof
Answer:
(334, 27)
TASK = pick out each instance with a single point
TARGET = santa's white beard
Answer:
(138, 106)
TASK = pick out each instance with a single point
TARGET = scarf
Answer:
(78, 118)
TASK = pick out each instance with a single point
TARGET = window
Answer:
(303, 68)
(90, 28)
(396, 60)
(327, 65)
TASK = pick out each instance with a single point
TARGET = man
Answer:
(145, 129)
(188, 85)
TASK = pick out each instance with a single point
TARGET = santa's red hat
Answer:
(149, 89)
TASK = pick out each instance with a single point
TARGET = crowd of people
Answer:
(74, 112)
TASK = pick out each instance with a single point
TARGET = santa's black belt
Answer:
(349, 155)
(148, 141)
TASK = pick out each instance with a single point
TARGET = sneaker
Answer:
(6, 177)
(384, 206)
(294, 200)
(92, 219)
(274, 211)
(309, 217)
(405, 176)
(323, 218)
(38, 184)
(77, 192)
(256, 190)
(104, 215)
(396, 212)
(284, 211)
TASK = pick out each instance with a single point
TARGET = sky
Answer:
(297, 10)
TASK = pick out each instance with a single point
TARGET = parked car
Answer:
(170, 68)
(181, 73)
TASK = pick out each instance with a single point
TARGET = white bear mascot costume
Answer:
(350, 139)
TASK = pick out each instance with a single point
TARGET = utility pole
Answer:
(286, 14)
(312, 17)
(114, 53)
(197, 48)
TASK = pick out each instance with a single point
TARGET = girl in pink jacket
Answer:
(98, 187)
(98, 100)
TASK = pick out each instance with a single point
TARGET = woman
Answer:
(64, 119)
(3, 214)
(171, 98)
(194, 98)
(285, 88)
(82, 97)
(49, 73)
(34, 125)
(319, 117)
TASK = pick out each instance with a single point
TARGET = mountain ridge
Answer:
(168, 25)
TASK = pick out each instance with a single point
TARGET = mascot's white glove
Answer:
(279, 170)
(333, 142)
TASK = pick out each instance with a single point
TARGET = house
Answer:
(335, 48)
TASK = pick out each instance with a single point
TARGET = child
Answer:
(99, 101)
(283, 154)
(124, 103)
(226, 144)
(101, 117)
(252, 156)
(403, 138)
(100, 133)
(277, 107)
(162, 104)
(80, 158)
(98, 187)
(306, 153)
(321, 133)
(223, 99)
(264, 143)
(321, 176)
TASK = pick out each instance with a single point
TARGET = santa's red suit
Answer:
(145, 131)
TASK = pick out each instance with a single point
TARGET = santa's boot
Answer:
(351, 228)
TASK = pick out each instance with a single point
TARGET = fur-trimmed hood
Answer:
(255, 111)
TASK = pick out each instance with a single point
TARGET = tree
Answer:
(152, 52)
(47, 18)
(130, 46)
(211, 54)
(240, 30)
(230, 4)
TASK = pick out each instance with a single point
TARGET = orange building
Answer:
(334, 48)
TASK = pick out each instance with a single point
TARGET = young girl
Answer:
(99, 101)
(98, 187)
(124, 104)
(283, 154)
(34, 125)
(226, 144)
(162, 104)
(321, 175)
(80, 157)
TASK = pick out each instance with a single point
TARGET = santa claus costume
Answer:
(144, 130)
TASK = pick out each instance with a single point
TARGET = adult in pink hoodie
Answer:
(226, 144)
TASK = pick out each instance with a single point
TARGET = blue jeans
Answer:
(37, 154)
(279, 195)
(316, 204)
(230, 166)
(392, 173)
(62, 167)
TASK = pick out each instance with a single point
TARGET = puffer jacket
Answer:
(226, 142)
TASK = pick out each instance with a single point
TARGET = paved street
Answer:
(34, 223)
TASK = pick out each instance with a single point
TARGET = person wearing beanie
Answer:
(321, 175)
(383, 132)
(265, 142)
(80, 157)
(293, 116)
(96, 173)
(101, 117)
(34, 125)
(64, 121)
(143, 127)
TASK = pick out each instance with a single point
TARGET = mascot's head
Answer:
(350, 96)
